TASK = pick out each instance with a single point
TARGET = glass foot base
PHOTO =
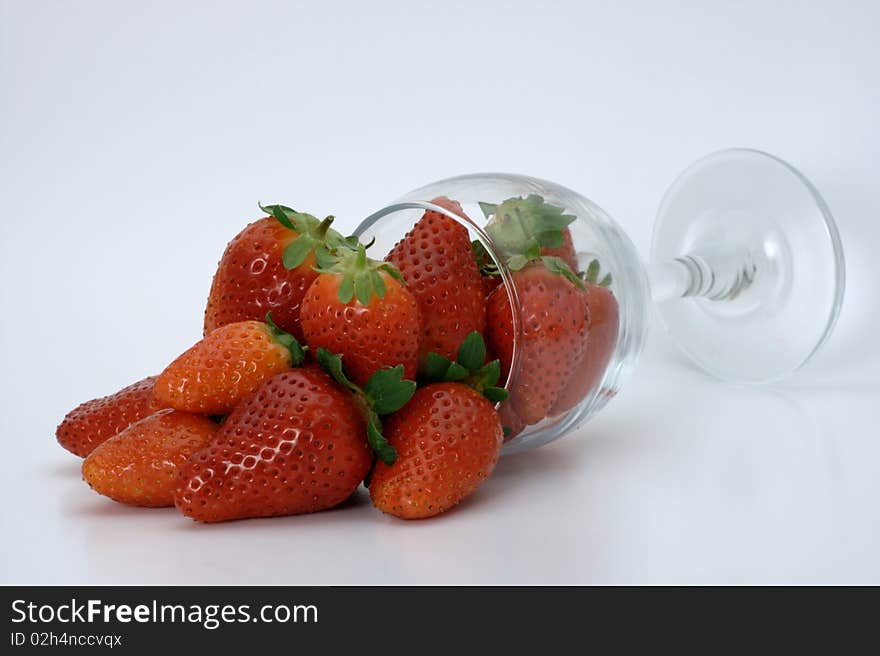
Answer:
(761, 261)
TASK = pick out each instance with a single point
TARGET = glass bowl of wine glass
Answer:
(746, 271)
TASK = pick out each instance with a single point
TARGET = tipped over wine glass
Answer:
(746, 271)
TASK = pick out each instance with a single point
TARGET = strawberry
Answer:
(227, 365)
(299, 443)
(448, 437)
(518, 225)
(533, 238)
(436, 261)
(92, 422)
(140, 466)
(564, 252)
(603, 328)
(362, 310)
(521, 225)
(554, 334)
(268, 267)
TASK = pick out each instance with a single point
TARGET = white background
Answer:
(136, 139)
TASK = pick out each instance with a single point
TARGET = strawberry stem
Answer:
(322, 228)
(385, 392)
(288, 341)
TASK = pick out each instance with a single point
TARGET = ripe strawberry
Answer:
(361, 309)
(436, 261)
(267, 267)
(92, 422)
(554, 335)
(564, 252)
(140, 466)
(603, 328)
(448, 437)
(524, 229)
(519, 225)
(297, 444)
(227, 365)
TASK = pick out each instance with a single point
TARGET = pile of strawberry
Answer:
(304, 385)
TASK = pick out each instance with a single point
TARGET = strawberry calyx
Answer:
(385, 392)
(591, 275)
(288, 341)
(314, 235)
(361, 276)
(520, 228)
(517, 224)
(485, 263)
(470, 368)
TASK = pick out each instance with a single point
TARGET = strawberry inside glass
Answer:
(565, 297)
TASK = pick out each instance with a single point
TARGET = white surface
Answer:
(136, 139)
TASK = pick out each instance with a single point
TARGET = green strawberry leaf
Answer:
(488, 209)
(324, 259)
(385, 392)
(363, 287)
(485, 263)
(288, 341)
(436, 366)
(346, 288)
(517, 262)
(606, 281)
(472, 352)
(280, 215)
(592, 273)
(489, 373)
(495, 394)
(469, 370)
(558, 266)
(361, 276)
(279, 212)
(378, 284)
(379, 444)
(388, 391)
(331, 363)
(533, 250)
(551, 239)
(455, 372)
(519, 221)
(392, 271)
(297, 251)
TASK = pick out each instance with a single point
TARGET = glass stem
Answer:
(718, 276)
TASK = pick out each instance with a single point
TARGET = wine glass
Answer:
(746, 269)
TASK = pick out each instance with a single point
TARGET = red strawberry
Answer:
(361, 309)
(447, 438)
(554, 329)
(436, 260)
(92, 422)
(227, 365)
(512, 423)
(524, 229)
(490, 282)
(519, 225)
(564, 252)
(267, 267)
(603, 327)
(140, 466)
(297, 444)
